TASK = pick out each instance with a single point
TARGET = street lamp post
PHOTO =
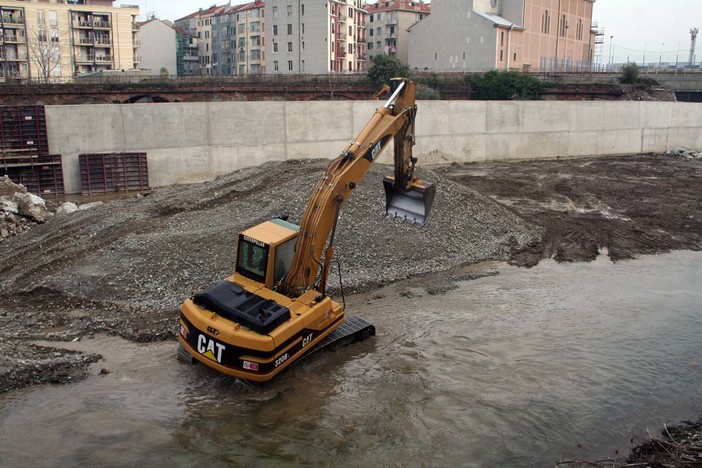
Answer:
(610, 51)
(660, 56)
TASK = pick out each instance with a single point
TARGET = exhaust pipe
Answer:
(411, 205)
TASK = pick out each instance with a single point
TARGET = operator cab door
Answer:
(262, 262)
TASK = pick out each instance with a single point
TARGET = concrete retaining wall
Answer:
(192, 142)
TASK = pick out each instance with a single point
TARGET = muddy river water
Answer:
(519, 369)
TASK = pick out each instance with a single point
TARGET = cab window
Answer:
(252, 259)
(284, 254)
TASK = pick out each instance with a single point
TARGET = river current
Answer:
(524, 368)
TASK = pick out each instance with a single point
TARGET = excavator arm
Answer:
(392, 122)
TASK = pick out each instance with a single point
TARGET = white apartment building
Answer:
(158, 47)
(387, 22)
(310, 36)
(199, 24)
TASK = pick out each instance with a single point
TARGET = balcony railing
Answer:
(12, 19)
(83, 24)
(12, 38)
(95, 41)
(94, 59)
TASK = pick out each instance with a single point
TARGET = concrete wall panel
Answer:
(655, 114)
(318, 121)
(189, 142)
(655, 140)
(625, 115)
(246, 123)
(544, 116)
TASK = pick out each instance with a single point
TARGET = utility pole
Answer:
(611, 40)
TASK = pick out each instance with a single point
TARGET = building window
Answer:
(275, 66)
(370, 33)
(275, 12)
(370, 46)
(378, 16)
(53, 19)
(302, 10)
(303, 28)
(289, 10)
(275, 47)
(350, 30)
(290, 65)
(501, 51)
(564, 26)
(515, 57)
(371, 18)
(502, 38)
(289, 47)
(289, 29)
(377, 32)
(302, 46)
(546, 23)
(275, 29)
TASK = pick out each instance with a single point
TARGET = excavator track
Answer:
(353, 330)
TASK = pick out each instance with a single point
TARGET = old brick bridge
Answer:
(250, 89)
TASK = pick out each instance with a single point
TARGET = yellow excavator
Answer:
(274, 308)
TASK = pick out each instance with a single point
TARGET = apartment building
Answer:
(387, 23)
(199, 25)
(158, 47)
(187, 61)
(315, 37)
(224, 42)
(46, 39)
(250, 38)
(478, 35)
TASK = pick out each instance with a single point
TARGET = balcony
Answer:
(9, 19)
(391, 37)
(342, 17)
(101, 41)
(99, 59)
(91, 24)
(135, 27)
(391, 21)
(13, 39)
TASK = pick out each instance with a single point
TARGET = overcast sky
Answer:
(660, 28)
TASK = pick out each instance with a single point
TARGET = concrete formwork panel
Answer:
(501, 117)
(318, 121)
(246, 123)
(317, 149)
(587, 117)
(655, 114)
(149, 126)
(583, 143)
(451, 118)
(544, 116)
(654, 140)
(541, 145)
(686, 115)
(619, 142)
(624, 115)
(74, 129)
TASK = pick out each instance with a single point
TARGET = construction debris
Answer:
(686, 153)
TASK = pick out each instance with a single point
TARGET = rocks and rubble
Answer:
(685, 152)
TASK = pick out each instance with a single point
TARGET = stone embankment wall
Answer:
(193, 142)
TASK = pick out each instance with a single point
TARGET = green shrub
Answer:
(384, 67)
(505, 85)
(427, 93)
(630, 74)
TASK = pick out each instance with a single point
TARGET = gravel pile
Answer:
(154, 251)
(125, 267)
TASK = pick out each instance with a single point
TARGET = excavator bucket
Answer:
(411, 205)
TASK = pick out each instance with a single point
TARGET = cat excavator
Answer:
(274, 309)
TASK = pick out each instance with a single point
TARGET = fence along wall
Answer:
(193, 142)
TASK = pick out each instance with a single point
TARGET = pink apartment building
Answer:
(479, 35)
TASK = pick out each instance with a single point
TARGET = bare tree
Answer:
(46, 48)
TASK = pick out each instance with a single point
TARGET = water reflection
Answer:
(520, 369)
